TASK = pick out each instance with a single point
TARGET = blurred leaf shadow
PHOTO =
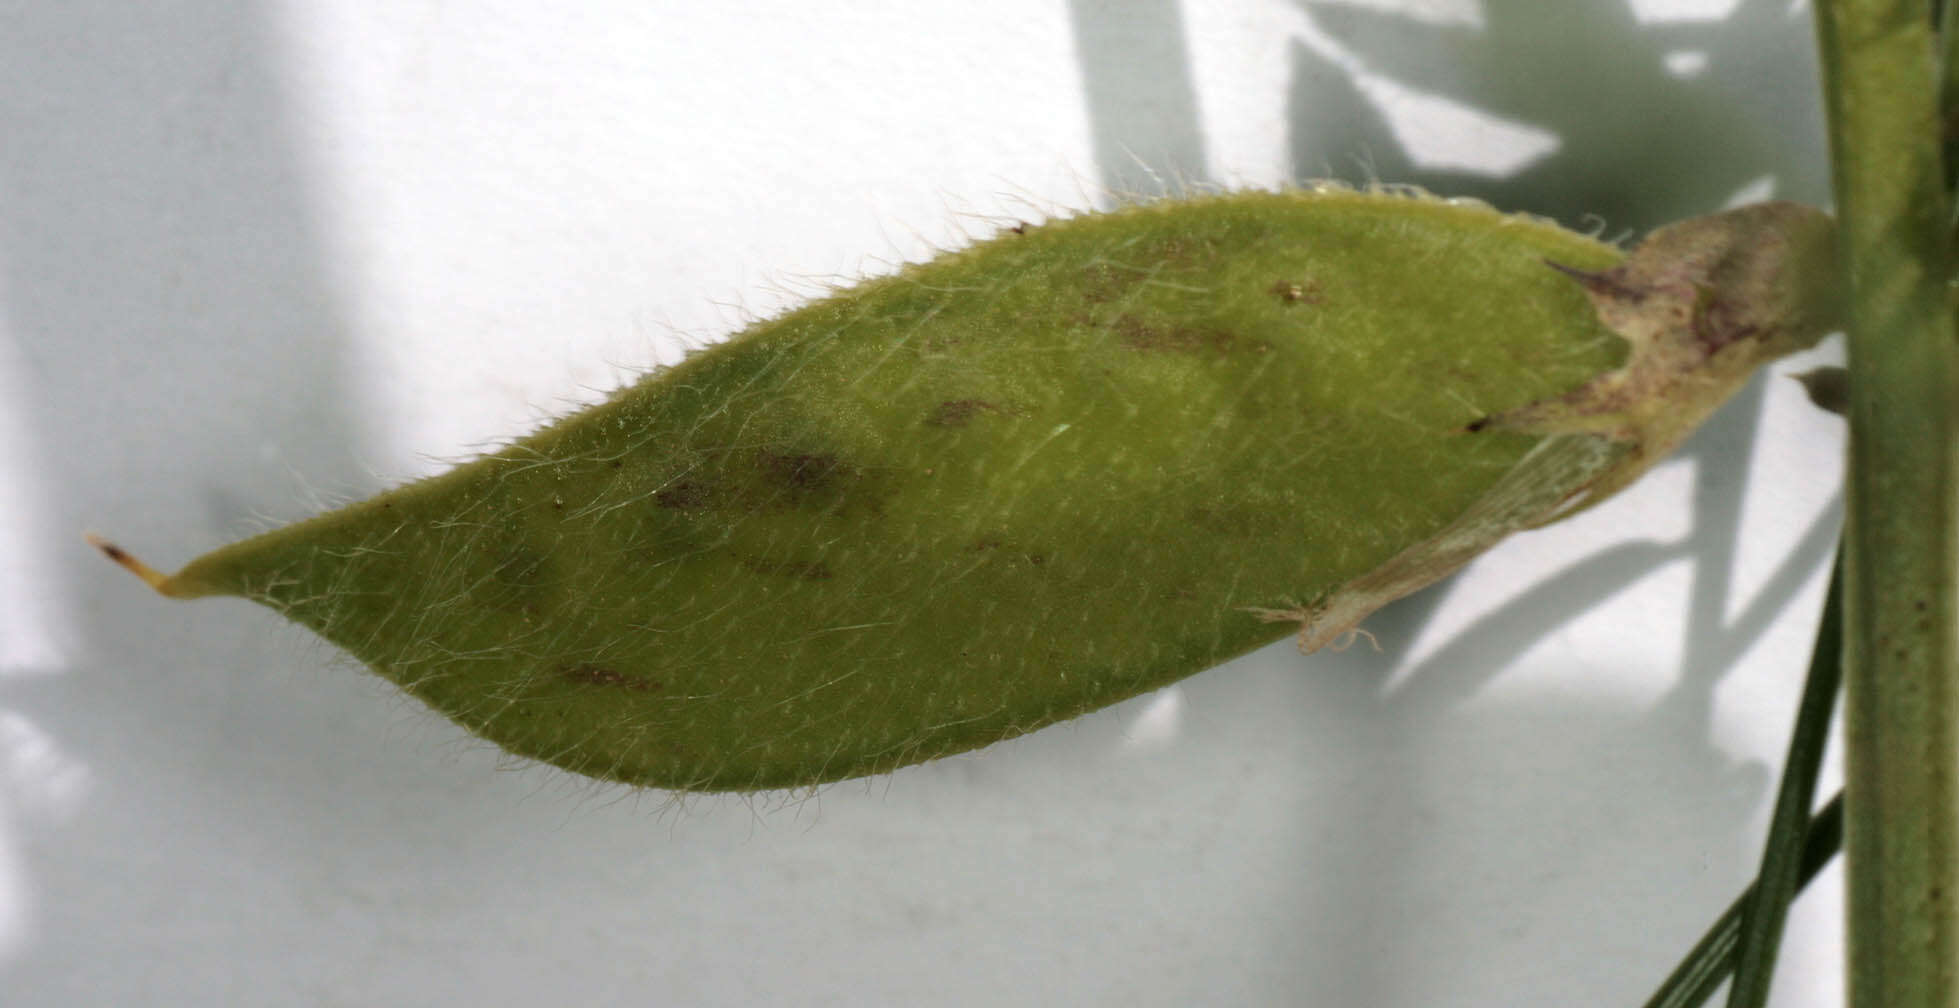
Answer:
(1652, 122)
(1141, 102)
(1638, 144)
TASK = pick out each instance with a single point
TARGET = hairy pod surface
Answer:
(1022, 481)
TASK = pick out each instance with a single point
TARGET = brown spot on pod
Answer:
(590, 674)
(1136, 334)
(686, 495)
(1103, 282)
(958, 412)
(805, 472)
(1295, 291)
(804, 570)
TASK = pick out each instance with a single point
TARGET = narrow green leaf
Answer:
(1776, 883)
(1712, 959)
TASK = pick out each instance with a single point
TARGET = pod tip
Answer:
(151, 576)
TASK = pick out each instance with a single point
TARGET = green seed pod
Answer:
(1029, 479)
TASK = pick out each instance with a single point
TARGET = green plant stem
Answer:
(1776, 883)
(1710, 962)
(1881, 88)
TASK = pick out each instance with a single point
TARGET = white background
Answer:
(260, 256)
